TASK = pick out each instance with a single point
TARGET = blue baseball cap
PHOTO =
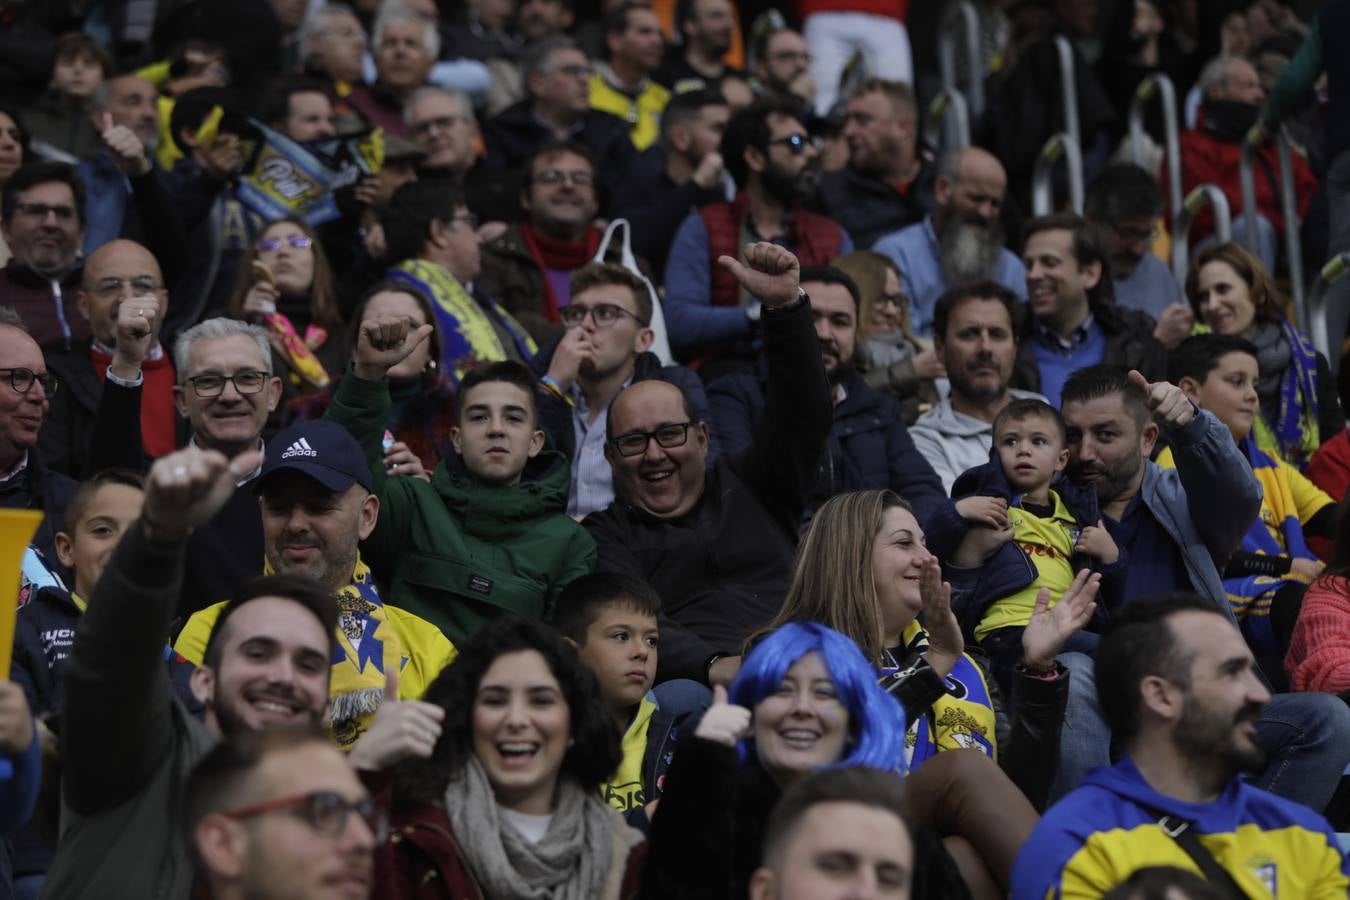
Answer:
(323, 450)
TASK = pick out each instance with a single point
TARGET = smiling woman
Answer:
(507, 804)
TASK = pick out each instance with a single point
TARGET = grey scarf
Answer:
(572, 862)
(1273, 356)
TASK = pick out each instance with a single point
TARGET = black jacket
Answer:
(655, 206)
(1129, 343)
(722, 569)
(41, 488)
(86, 426)
(868, 207)
(869, 446)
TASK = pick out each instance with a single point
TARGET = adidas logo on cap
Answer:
(299, 448)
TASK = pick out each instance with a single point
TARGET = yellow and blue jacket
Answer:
(1097, 836)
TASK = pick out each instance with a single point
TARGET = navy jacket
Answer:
(41, 488)
(869, 208)
(1009, 570)
(869, 446)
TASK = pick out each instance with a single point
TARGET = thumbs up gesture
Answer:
(724, 723)
(770, 273)
(126, 149)
(402, 729)
(1165, 401)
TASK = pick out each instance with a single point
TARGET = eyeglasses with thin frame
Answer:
(578, 177)
(40, 211)
(604, 314)
(324, 811)
(298, 241)
(106, 288)
(249, 381)
(897, 299)
(22, 380)
(797, 144)
(634, 443)
(1137, 235)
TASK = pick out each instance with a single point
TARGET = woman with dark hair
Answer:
(286, 286)
(863, 569)
(1231, 292)
(892, 359)
(421, 397)
(507, 803)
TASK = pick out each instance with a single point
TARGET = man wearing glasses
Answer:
(225, 390)
(25, 392)
(604, 349)
(280, 815)
(529, 268)
(123, 298)
(774, 163)
(128, 745)
(42, 220)
(717, 542)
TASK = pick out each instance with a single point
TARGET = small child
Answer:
(611, 620)
(59, 119)
(1050, 533)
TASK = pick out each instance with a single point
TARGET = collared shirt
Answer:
(592, 478)
(1058, 357)
(18, 469)
(918, 255)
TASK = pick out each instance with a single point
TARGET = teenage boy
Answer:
(612, 621)
(489, 534)
(1023, 530)
(1266, 577)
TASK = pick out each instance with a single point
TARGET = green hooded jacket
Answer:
(457, 551)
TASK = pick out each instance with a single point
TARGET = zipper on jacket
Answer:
(60, 312)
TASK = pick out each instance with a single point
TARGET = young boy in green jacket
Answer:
(489, 534)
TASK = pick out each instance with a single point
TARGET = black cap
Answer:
(321, 449)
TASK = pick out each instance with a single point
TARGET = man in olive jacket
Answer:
(489, 535)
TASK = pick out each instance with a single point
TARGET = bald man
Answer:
(961, 242)
(121, 374)
(717, 543)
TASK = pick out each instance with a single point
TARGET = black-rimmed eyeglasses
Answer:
(22, 380)
(245, 382)
(634, 443)
(324, 811)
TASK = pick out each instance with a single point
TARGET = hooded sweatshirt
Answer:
(1102, 832)
(953, 442)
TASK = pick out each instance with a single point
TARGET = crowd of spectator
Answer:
(566, 449)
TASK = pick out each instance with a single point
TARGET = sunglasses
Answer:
(796, 143)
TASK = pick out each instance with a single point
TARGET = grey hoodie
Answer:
(953, 442)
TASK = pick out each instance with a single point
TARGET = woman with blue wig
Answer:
(805, 699)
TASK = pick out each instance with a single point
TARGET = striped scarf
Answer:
(1294, 434)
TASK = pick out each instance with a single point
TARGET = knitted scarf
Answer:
(1288, 391)
(582, 857)
(551, 253)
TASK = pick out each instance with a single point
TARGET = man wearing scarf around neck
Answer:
(315, 493)
(529, 268)
(1212, 151)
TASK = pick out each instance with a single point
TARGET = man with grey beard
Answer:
(961, 242)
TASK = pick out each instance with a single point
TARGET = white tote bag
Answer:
(661, 342)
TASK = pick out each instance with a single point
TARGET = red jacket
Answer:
(1329, 467)
(422, 860)
(1208, 159)
(1319, 653)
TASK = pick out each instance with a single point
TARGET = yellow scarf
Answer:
(625, 790)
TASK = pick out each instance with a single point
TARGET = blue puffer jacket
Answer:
(869, 446)
(1010, 570)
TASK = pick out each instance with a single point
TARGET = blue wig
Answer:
(876, 722)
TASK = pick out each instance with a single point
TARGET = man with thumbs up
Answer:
(314, 492)
(1179, 527)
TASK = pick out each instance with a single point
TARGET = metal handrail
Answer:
(1068, 88)
(970, 30)
(1333, 271)
(1247, 181)
(949, 110)
(1293, 244)
(1158, 85)
(1201, 196)
(1042, 191)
